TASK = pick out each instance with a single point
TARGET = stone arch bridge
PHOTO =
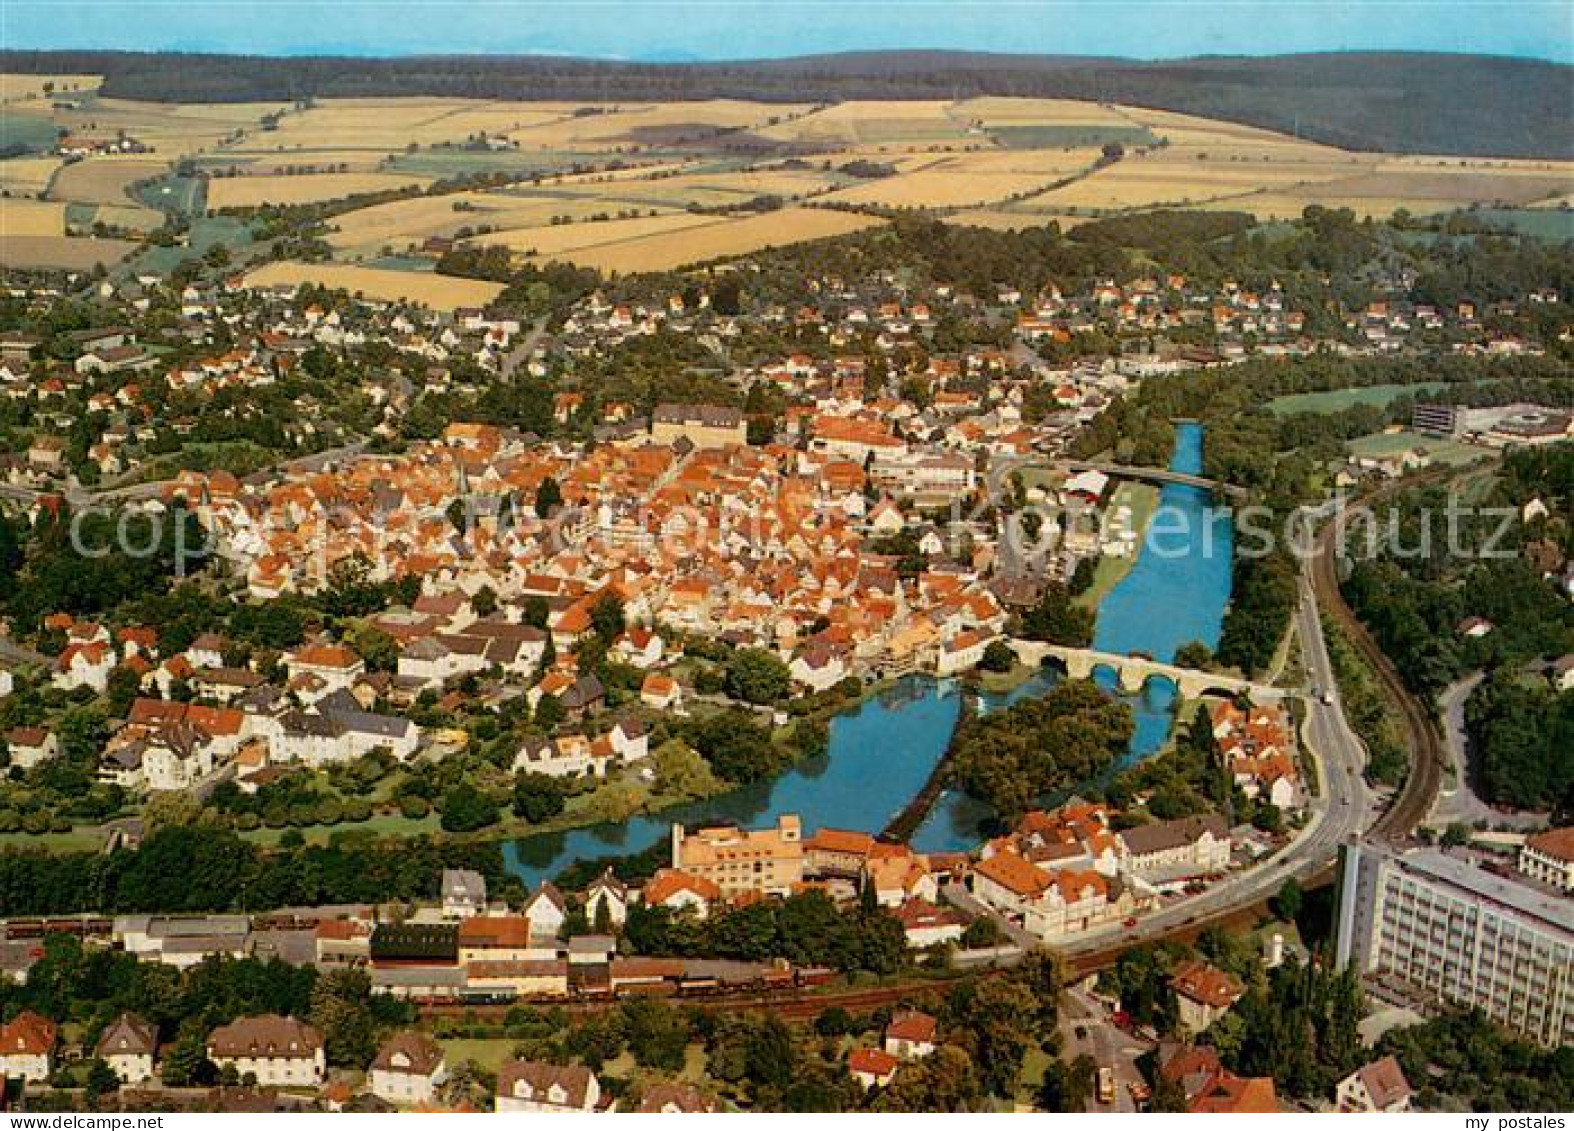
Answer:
(1135, 671)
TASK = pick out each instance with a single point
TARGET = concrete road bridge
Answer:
(1157, 475)
(1135, 671)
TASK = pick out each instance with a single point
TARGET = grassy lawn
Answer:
(83, 839)
(998, 683)
(1382, 444)
(1033, 1066)
(1337, 400)
(488, 1052)
(1143, 499)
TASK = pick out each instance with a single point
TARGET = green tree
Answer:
(607, 618)
(998, 657)
(341, 1007)
(549, 496)
(465, 809)
(538, 797)
(757, 676)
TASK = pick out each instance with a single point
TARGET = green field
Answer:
(184, 195)
(1553, 224)
(30, 132)
(447, 163)
(1337, 400)
(204, 233)
(1383, 444)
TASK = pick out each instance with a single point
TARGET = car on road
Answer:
(1106, 1086)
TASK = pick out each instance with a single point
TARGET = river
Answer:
(880, 754)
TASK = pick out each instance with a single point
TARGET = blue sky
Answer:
(721, 29)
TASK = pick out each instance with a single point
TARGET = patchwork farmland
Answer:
(654, 186)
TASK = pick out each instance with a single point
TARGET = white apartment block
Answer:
(1440, 928)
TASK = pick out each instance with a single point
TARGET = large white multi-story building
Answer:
(1439, 927)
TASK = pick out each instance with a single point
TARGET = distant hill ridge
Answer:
(1397, 102)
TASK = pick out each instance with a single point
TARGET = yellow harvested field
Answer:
(1563, 200)
(133, 217)
(103, 180)
(66, 252)
(970, 179)
(27, 176)
(880, 124)
(389, 125)
(170, 130)
(724, 239)
(710, 190)
(441, 292)
(552, 241)
(994, 111)
(1174, 176)
(32, 218)
(23, 88)
(400, 223)
(305, 188)
(1456, 184)
(656, 123)
(1420, 188)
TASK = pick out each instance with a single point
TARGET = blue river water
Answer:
(881, 753)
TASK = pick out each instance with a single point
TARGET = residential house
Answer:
(281, 1052)
(30, 745)
(670, 1098)
(1376, 1087)
(408, 1069)
(661, 692)
(1210, 1088)
(1189, 846)
(1548, 858)
(27, 1046)
(84, 665)
(926, 924)
(872, 1068)
(675, 890)
(128, 1045)
(546, 910)
(535, 1087)
(463, 893)
(703, 426)
(1203, 993)
(607, 897)
(910, 1034)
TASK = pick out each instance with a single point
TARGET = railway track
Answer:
(1422, 737)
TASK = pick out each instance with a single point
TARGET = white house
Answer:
(27, 1046)
(546, 910)
(128, 1046)
(408, 1069)
(31, 745)
(607, 891)
(282, 1052)
(1377, 1087)
(910, 1035)
(464, 893)
(817, 667)
(84, 665)
(531, 1086)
